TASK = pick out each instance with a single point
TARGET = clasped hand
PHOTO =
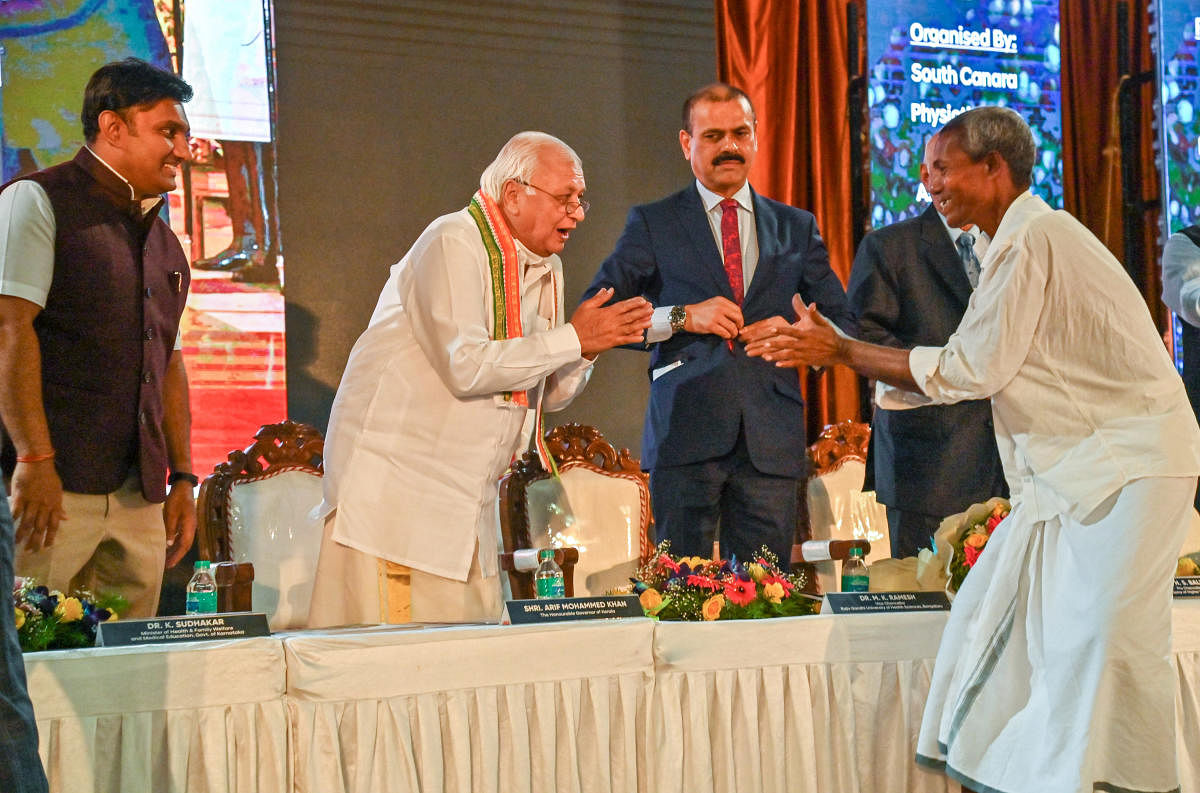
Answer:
(602, 327)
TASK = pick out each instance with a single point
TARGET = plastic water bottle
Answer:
(548, 580)
(201, 591)
(854, 573)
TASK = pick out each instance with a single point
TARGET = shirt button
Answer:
(149, 292)
(141, 417)
(145, 377)
(149, 334)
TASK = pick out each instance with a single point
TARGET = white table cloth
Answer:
(472, 709)
(197, 717)
(822, 704)
(827, 704)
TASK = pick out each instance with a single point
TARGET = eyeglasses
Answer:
(569, 207)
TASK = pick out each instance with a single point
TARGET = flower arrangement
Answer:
(692, 588)
(48, 620)
(973, 539)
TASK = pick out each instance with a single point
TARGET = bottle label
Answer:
(201, 603)
(856, 583)
(550, 587)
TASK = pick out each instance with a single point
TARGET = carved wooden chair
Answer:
(254, 509)
(838, 509)
(605, 521)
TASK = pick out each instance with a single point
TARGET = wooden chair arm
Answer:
(565, 557)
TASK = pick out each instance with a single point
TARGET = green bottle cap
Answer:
(545, 553)
(202, 564)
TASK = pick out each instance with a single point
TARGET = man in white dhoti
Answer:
(466, 342)
(1054, 673)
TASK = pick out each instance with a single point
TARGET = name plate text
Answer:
(876, 602)
(189, 628)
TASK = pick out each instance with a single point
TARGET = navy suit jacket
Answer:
(908, 289)
(668, 255)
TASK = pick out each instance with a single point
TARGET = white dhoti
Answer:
(1054, 673)
(353, 588)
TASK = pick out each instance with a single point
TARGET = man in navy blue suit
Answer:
(724, 438)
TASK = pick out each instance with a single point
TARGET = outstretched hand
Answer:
(602, 327)
(810, 341)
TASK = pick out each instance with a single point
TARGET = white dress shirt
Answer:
(1084, 396)
(660, 323)
(420, 432)
(1181, 277)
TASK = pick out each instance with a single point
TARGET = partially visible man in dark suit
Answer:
(724, 438)
(909, 287)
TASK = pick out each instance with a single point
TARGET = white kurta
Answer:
(1054, 671)
(420, 433)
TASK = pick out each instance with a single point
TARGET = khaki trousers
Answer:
(111, 543)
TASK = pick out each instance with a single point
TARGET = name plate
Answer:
(876, 602)
(189, 628)
(605, 607)
(1187, 586)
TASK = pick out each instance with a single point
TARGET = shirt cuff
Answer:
(562, 343)
(892, 398)
(660, 325)
(922, 364)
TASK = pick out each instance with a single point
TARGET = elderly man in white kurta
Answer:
(467, 345)
(1054, 673)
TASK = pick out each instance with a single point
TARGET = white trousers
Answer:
(1055, 672)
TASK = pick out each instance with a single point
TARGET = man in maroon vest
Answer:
(93, 391)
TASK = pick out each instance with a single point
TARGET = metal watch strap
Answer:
(677, 317)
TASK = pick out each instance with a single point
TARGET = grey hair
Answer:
(983, 130)
(518, 159)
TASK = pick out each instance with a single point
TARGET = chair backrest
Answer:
(255, 508)
(600, 505)
(838, 509)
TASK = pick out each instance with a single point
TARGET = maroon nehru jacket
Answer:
(107, 331)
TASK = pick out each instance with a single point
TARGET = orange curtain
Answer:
(790, 57)
(1091, 144)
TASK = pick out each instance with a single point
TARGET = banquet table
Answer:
(197, 717)
(829, 704)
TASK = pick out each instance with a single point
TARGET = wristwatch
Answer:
(677, 317)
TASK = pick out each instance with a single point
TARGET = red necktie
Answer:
(731, 241)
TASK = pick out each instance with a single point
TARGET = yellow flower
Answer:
(20, 617)
(1186, 566)
(757, 571)
(773, 592)
(69, 610)
(694, 562)
(650, 600)
(112, 616)
(712, 607)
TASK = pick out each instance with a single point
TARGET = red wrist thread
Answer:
(35, 458)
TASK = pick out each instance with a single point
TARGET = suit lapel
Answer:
(694, 222)
(942, 257)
